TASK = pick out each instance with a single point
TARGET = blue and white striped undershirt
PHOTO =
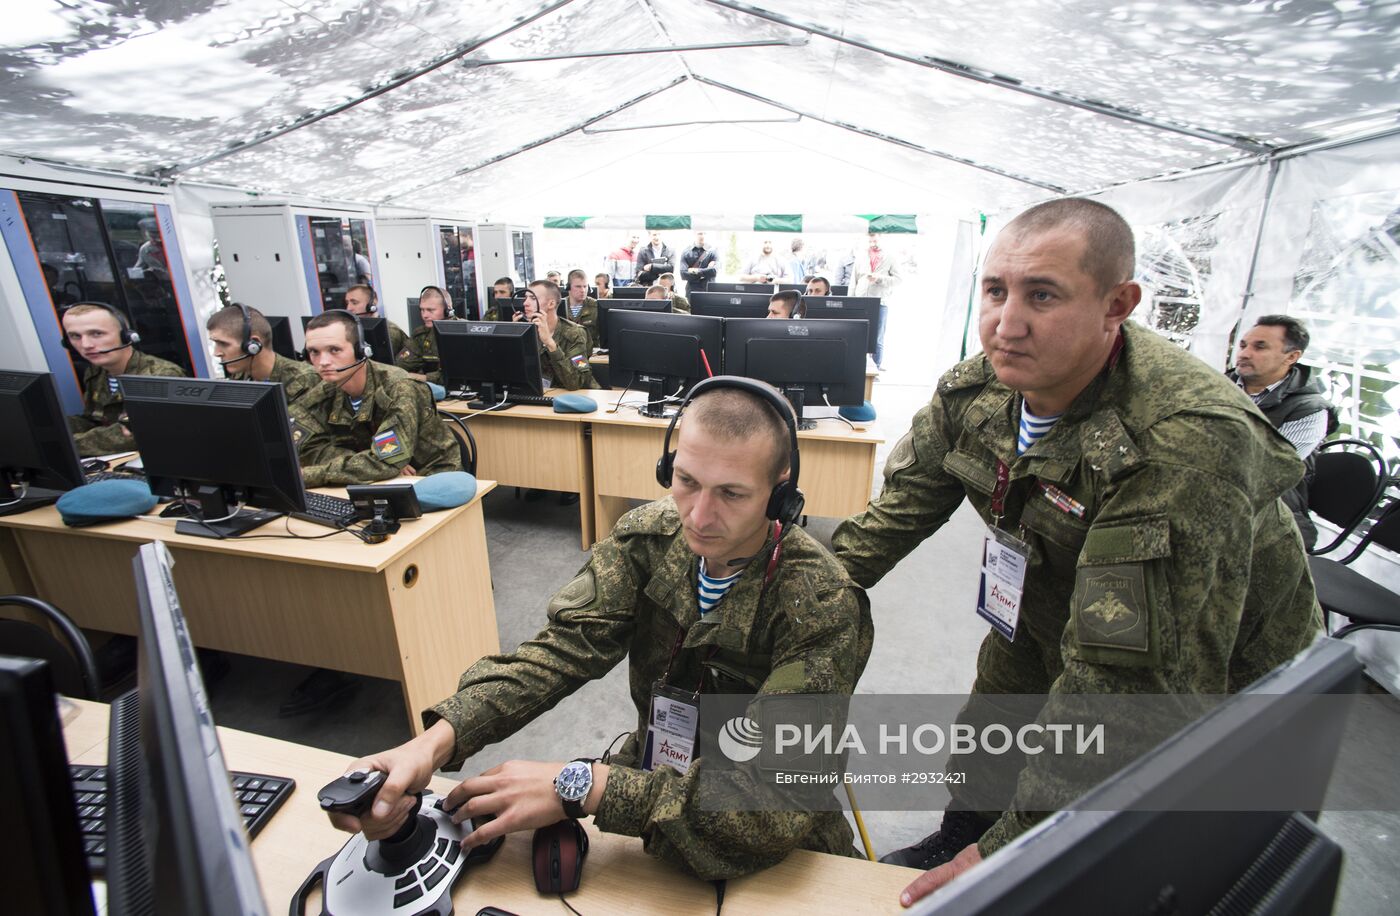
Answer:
(354, 403)
(1033, 428)
(112, 384)
(710, 590)
(575, 309)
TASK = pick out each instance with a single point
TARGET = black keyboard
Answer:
(258, 798)
(515, 400)
(331, 511)
(95, 476)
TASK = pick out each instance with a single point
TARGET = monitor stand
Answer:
(656, 406)
(796, 394)
(214, 503)
(33, 498)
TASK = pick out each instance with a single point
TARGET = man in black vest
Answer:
(1267, 368)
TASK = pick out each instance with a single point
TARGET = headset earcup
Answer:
(253, 348)
(664, 466)
(785, 503)
(131, 337)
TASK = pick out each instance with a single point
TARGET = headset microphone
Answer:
(225, 365)
(111, 349)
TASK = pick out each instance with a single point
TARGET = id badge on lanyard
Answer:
(671, 728)
(1004, 559)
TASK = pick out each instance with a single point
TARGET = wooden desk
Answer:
(617, 878)
(838, 465)
(416, 609)
(535, 447)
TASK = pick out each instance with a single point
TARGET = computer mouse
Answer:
(557, 854)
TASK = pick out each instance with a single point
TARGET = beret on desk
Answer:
(438, 391)
(447, 490)
(863, 413)
(105, 501)
(574, 403)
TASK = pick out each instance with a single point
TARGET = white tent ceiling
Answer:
(885, 105)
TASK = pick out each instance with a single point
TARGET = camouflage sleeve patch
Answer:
(298, 433)
(1110, 607)
(1115, 593)
(581, 590)
(903, 455)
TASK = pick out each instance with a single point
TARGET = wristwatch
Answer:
(573, 784)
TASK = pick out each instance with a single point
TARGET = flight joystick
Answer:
(411, 872)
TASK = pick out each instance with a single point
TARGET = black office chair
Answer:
(1347, 485)
(466, 442)
(1347, 593)
(73, 667)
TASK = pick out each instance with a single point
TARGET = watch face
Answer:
(574, 781)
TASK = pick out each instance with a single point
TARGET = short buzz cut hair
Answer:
(790, 298)
(733, 414)
(551, 289)
(666, 276)
(1295, 333)
(86, 308)
(655, 288)
(373, 296)
(507, 281)
(229, 320)
(577, 272)
(818, 278)
(1109, 253)
(341, 317)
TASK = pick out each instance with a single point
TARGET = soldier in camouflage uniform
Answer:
(226, 334)
(366, 421)
(419, 357)
(1161, 560)
(362, 300)
(582, 308)
(679, 303)
(98, 335)
(792, 622)
(564, 348)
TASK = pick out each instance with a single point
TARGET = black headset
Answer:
(362, 350)
(126, 334)
(446, 300)
(786, 502)
(250, 346)
(373, 307)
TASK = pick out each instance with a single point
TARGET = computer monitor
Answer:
(282, 343)
(217, 443)
(376, 336)
(630, 292)
(663, 354)
(491, 359)
(792, 287)
(415, 318)
(37, 457)
(810, 362)
(45, 869)
(176, 842)
(636, 304)
(864, 307)
(730, 305)
(1186, 827)
(765, 289)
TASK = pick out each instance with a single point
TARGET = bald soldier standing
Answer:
(1134, 488)
(100, 334)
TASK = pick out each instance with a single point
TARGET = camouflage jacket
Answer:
(680, 304)
(98, 430)
(567, 367)
(808, 632)
(398, 338)
(1165, 564)
(396, 426)
(419, 354)
(295, 378)
(587, 318)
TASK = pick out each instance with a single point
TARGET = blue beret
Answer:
(445, 491)
(862, 414)
(574, 403)
(106, 500)
(438, 391)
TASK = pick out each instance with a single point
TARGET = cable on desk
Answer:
(569, 905)
(827, 399)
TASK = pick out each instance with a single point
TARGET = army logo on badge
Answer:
(1110, 608)
(386, 445)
